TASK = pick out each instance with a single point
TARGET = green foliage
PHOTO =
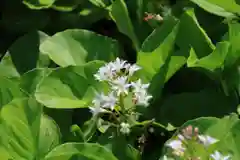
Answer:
(52, 52)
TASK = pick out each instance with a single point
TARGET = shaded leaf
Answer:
(176, 108)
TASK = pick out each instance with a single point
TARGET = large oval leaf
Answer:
(25, 133)
(69, 87)
(86, 151)
(77, 46)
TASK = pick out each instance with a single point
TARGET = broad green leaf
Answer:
(152, 61)
(25, 132)
(214, 8)
(86, 151)
(179, 108)
(9, 90)
(38, 4)
(27, 47)
(31, 79)
(190, 34)
(226, 130)
(158, 35)
(212, 62)
(69, 87)
(78, 46)
(120, 15)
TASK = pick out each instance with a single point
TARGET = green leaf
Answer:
(25, 132)
(226, 130)
(66, 5)
(27, 47)
(119, 145)
(152, 61)
(120, 15)
(214, 8)
(179, 108)
(70, 87)
(49, 135)
(190, 34)
(11, 71)
(31, 79)
(234, 37)
(86, 151)
(230, 5)
(89, 128)
(212, 62)
(99, 3)
(78, 46)
(38, 4)
(9, 90)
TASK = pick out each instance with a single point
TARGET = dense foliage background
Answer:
(189, 51)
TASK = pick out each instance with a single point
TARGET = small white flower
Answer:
(177, 147)
(120, 85)
(104, 73)
(118, 64)
(138, 86)
(109, 101)
(218, 156)
(207, 140)
(132, 69)
(95, 110)
(142, 98)
(125, 128)
(181, 137)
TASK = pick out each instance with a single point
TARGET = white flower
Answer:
(132, 69)
(142, 98)
(120, 85)
(218, 156)
(207, 140)
(140, 93)
(118, 64)
(95, 110)
(104, 73)
(177, 147)
(181, 137)
(125, 128)
(138, 86)
(109, 101)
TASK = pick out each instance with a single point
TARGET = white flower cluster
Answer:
(118, 75)
(179, 145)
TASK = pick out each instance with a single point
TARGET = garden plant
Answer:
(120, 80)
